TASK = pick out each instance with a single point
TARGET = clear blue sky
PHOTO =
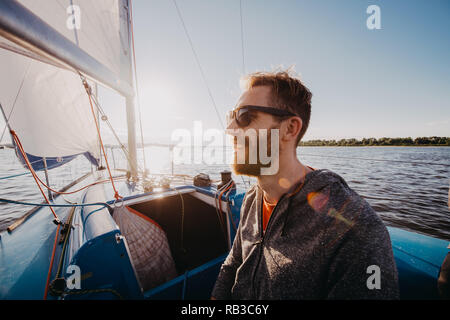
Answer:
(392, 82)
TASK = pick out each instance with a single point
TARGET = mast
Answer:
(131, 120)
(130, 99)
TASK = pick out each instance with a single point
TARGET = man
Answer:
(303, 233)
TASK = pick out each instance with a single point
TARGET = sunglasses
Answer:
(243, 115)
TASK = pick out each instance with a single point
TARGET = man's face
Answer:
(257, 96)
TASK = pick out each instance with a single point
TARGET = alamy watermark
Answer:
(374, 20)
(74, 280)
(210, 147)
(74, 19)
(374, 281)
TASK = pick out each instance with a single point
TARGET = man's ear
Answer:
(292, 128)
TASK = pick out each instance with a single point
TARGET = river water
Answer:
(407, 186)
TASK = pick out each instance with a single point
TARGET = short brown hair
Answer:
(288, 93)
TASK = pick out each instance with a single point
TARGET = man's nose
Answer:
(232, 126)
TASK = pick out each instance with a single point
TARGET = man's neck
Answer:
(291, 171)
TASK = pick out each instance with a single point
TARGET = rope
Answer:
(45, 185)
(102, 204)
(15, 175)
(68, 228)
(15, 100)
(220, 200)
(51, 263)
(21, 174)
(221, 194)
(88, 91)
(218, 203)
(51, 286)
(229, 210)
(182, 217)
(77, 292)
(36, 178)
(122, 146)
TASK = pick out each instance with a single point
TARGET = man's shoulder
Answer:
(250, 193)
(323, 176)
(329, 194)
(249, 197)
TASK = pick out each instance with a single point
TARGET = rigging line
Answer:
(36, 177)
(201, 70)
(137, 86)
(101, 204)
(15, 100)
(98, 117)
(33, 172)
(30, 167)
(198, 63)
(218, 202)
(182, 218)
(383, 160)
(229, 213)
(102, 112)
(19, 174)
(242, 37)
(66, 235)
(220, 205)
(123, 148)
(89, 92)
(243, 61)
(52, 259)
(14, 175)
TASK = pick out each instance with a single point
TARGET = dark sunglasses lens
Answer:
(243, 117)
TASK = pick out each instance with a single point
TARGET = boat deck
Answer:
(96, 245)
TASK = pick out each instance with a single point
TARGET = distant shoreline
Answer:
(419, 146)
(381, 142)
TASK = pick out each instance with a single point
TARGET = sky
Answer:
(388, 82)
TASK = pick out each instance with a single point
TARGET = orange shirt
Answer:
(267, 208)
(267, 211)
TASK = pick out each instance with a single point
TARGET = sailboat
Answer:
(119, 239)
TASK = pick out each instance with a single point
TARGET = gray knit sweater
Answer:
(319, 244)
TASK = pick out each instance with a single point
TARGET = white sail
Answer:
(46, 104)
(47, 107)
(100, 28)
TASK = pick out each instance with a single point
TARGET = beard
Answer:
(252, 169)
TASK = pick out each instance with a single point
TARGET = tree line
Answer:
(419, 141)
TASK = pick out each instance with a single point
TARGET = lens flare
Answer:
(317, 200)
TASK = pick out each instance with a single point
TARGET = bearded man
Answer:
(303, 233)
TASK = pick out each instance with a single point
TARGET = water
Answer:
(407, 186)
